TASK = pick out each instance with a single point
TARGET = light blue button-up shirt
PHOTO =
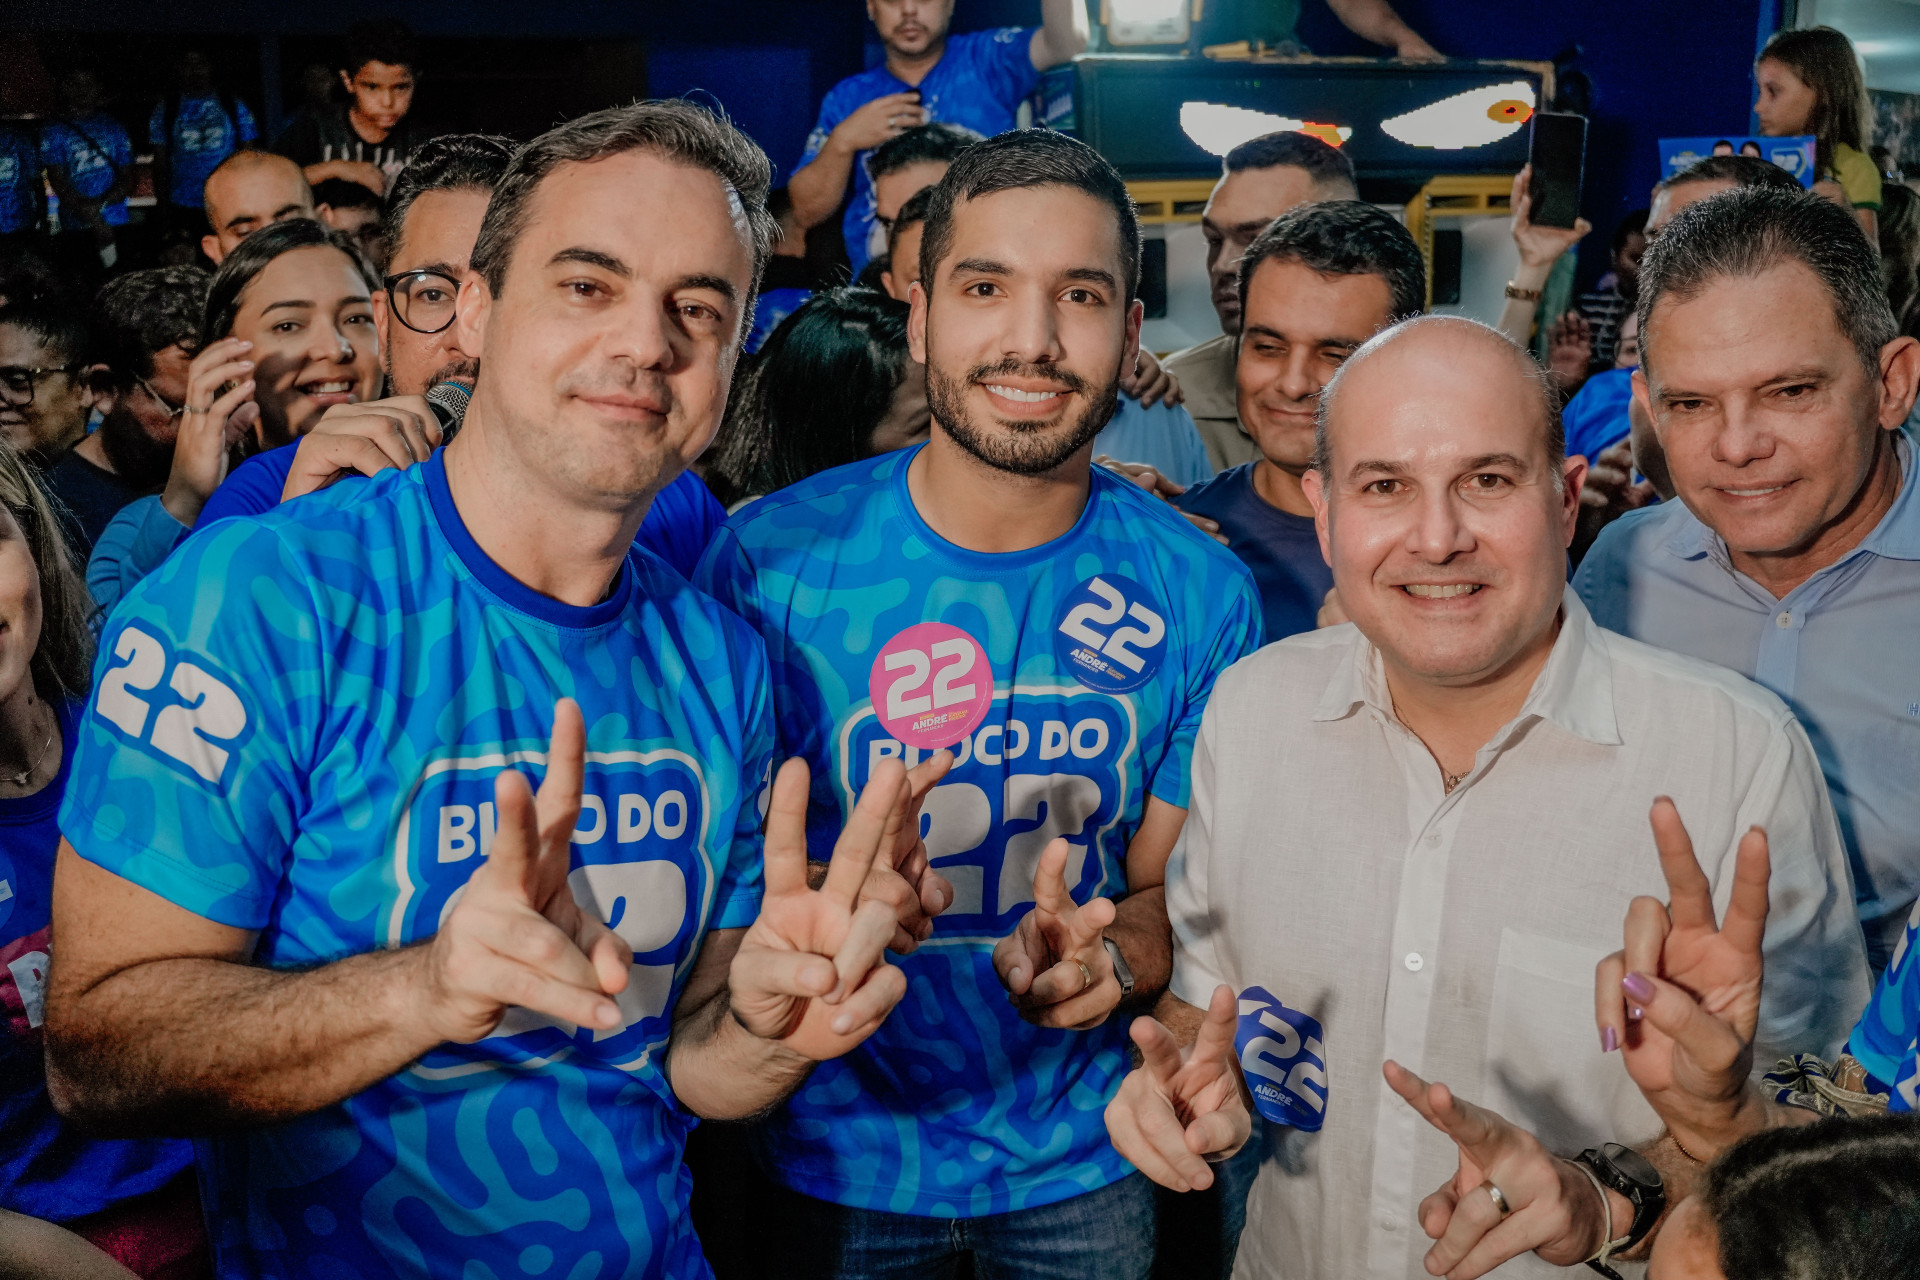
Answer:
(1842, 649)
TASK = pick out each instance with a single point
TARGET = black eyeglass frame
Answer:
(6, 392)
(399, 311)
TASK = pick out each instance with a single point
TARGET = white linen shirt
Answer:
(1458, 934)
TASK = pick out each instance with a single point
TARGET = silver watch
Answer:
(1122, 972)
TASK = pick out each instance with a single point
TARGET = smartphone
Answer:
(1558, 155)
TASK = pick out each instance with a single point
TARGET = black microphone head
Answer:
(448, 400)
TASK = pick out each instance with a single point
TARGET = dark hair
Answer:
(1751, 229)
(1542, 384)
(913, 211)
(385, 40)
(341, 193)
(1900, 249)
(681, 131)
(1328, 166)
(62, 662)
(1031, 158)
(1825, 62)
(1344, 238)
(820, 385)
(937, 142)
(56, 322)
(1742, 171)
(1634, 224)
(147, 311)
(251, 256)
(453, 162)
(1836, 1199)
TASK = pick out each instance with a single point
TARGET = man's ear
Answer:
(1130, 357)
(210, 245)
(1573, 474)
(324, 212)
(346, 82)
(917, 322)
(1313, 485)
(382, 316)
(470, 313)
(1899, 379)
(100, 383)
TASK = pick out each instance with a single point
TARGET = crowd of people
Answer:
(544, 733)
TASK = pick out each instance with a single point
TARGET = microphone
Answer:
(448, 400)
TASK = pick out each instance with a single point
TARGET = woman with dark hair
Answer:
(1810, 82)
(133, 1199)
(833, 384)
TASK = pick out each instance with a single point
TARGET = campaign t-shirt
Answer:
(1069, 680)
(1886, 1040)
(91, 152)
(48, 1169)
(19, 177)
(979, 82)
(202, 135)
(1596, 418)
(296, 728)
(678, 526)
(1281, 549)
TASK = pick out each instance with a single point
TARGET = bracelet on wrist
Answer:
(1518, 294)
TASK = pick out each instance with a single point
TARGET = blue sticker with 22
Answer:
(1284, 1056)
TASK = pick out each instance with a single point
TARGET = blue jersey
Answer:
(980, 81)
(1886, 1041)
(296, 728)
(91, 153)
(202, 135)
(19, 180)
(1069, 680)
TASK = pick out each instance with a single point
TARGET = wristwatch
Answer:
(1518, 294)
(1122, 972)
(1625, 1170)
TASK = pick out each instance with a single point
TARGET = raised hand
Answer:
(1181, 1108)
(1539, 246)
(1682, 999)
(516, 936)
(212, 423)
(1150, 383)
(902, 877)
(363, 439)
(811, 973)
(885, 117)
(1551, 1207)
(1055, 962)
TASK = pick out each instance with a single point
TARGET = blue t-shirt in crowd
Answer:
(296, 728)
(979, 82)
(203, 135)
(1069, 680)
(770, 308)
(1281, 549)
(1596, 417)
(90, 152)
(1886, 1040)
(47, 1169)
(678, 526)
(19, 175)
(1161, 435)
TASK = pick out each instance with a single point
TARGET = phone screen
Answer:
(1559, 159)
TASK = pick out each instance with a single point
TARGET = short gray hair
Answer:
(1750, 230)
(1523, 361)
(672, 128)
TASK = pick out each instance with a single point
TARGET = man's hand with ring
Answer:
(1510, 1195)
(1055, 962)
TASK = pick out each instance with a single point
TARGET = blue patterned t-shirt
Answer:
(1069, 680)
(1886, 1040)
(296, 728)
(91, 153)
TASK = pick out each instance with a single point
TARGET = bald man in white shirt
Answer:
(1464, 772)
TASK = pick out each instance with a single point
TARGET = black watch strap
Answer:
(1626, 1171)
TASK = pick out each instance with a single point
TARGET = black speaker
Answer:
(1447, 247)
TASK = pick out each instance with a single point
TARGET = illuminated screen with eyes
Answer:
(1175, 117)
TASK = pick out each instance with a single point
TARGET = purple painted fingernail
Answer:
(1638, 986)
(1609, 1039)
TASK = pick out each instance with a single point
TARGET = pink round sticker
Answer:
(931, 685)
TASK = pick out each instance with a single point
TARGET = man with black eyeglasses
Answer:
(44, 394)
(145, 328)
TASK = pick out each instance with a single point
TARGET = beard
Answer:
(1018, 448)
(137, 457)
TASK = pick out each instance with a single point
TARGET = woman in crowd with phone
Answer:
(1810, 83)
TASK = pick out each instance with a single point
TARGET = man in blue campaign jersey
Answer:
(88, 157)
(440, 1026)
(978, 80)
(995, 596)
(193, 129)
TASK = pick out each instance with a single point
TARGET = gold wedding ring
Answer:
(1086, 974)
(1499, 1200)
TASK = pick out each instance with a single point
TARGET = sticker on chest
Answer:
(1110, 634)
(1284, 1056)
(931, 685)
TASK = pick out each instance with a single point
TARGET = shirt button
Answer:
(1783, 619)
(1389, 1224)
(1414, 962)
(1433, 839)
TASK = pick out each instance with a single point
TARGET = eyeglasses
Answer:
(17, 381)
(173, 410)
(422, 300)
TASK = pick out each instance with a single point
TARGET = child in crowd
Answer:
(1810, 82)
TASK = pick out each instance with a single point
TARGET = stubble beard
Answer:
(1017, 448)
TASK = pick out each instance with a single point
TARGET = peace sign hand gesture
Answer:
(1181, 1108)
(811, 973)
(1550, 1206)
(1055, 962)
(515, 936)
(902, 877)
(1682, 999)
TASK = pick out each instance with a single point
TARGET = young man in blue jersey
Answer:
(441, 1024)
(994, 595)
(977, 80)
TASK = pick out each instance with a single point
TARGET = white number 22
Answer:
(918, 663)
(186, 730)
(1117, 645)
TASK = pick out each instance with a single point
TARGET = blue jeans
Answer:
(1103, 1235)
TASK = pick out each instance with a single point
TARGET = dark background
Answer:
(1657, 67)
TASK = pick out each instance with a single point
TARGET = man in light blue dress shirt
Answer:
(1781, 391)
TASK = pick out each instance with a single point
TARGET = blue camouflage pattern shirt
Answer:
(296, 728)
(1069, 680)
(1886, 1040)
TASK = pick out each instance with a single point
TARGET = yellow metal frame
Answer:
(1171, 200)
(1455, 196)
